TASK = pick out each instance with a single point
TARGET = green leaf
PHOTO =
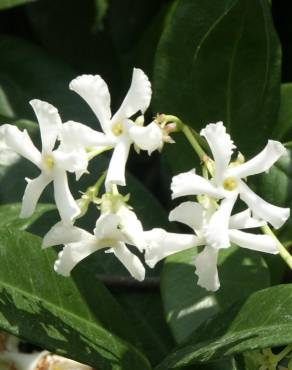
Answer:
(9, 215)
(5, 4)
(283, 129)
(187, 306)
(219, 61)
(264, 320)
(58, 313)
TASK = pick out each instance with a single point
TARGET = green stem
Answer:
(194, 143)
(282, 250)
(288, 144)
(284, 353)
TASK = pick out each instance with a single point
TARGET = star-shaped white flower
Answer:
(119, 128)
(116, 227)
(53, 163)
(162, 244)
(228, 182)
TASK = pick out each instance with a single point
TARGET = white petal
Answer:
(138, 97)
(64, 233)
(7, 156)
(216, 231)
(188, 213)
(263, 210)
(72, 161)
(130, 261)
(261, 162)
(94, 91)
(73, 253)
(206, 269)
(188, 183)
(162, 244)
(147, 138)
(221, 146)
(262, 243)
(132, 228)
(75, 134)
(116, 169)
(21, 143)
(22, 361)
(32, 193)
(243, 220)
(49, 122)
(55, 362)
(65, 202)
(108, 227)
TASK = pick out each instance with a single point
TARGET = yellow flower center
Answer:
(230, 183)
(48, 162)
(117, 129)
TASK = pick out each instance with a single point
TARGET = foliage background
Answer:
(100, 316)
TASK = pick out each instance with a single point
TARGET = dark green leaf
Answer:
(9, 215)
(57, 313)
(264, 320)
(187, 306)
(220, 61)
(5, 4)
(283, 129)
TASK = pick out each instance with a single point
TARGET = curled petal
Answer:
(189, 183)
(71, 161)
(21, 143)
(132, 228)
(261, 243)
(216, 231)
(116, 169)
(94, 91)
(221, 146)
(162, 244)
(32, 193)
(73, 253)
(243, 220)
(75, 134)
(49, 121)
(261, 162)
(147, 138)
(263, 210)
(63, 233)
(188, 213)
(130, 261)
(108, 227)
(206, 269)
(65, 202)
(138, 97)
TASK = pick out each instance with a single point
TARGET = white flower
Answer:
(53, 163)
(228, 183)
(162, 244)
(116, 226)
(7, 156)
(119, 128)
(22, 361)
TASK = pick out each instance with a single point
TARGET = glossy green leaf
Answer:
(283, 129)
(9, 215)
(5, 4)
(219, 61)
(59, 313)
(264, 320)
(187, 306)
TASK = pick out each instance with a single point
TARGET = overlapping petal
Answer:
(189, 183)
(137, 99)
(94, 91)
(146, 138)
(49, 122)
(221, 146)
(243, 220)
(263, 210)
(261, 243)
(162, 244)
(188, 213)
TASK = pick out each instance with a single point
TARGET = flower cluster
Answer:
(69, 146)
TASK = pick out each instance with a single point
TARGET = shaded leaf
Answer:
(54, 312)
(187, 306)
(264, 320)
(5, 4)
(283, 129)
